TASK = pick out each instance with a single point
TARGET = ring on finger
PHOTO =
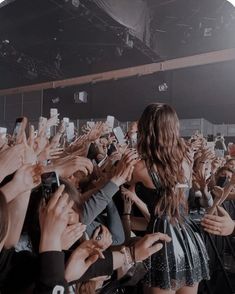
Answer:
(99, 237)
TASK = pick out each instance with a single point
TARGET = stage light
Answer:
(1, 1)
(232, 2)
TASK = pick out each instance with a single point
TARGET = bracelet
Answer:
(128, 257)
(126, 214)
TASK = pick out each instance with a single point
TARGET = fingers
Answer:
(212, 218)
(214, 232)
(129, 173)
(55, 197)
(96, 233)
(74, 232)
(153, 238)
(62, 203)
(155, 248)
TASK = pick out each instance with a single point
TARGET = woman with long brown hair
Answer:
(160, 181)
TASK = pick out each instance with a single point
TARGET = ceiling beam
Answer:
(142, 70)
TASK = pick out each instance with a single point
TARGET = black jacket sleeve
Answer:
(51, 273)
(102, 267)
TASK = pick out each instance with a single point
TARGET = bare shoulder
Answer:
(140, 174)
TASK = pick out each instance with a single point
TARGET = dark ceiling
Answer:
(43, 40)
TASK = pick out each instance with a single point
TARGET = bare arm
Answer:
(17, 211)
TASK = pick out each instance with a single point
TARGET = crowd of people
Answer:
(92, 214)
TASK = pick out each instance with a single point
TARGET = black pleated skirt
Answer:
(183, 261)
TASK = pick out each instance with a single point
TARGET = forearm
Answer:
(142, 207)
(115, 224)
(126, 222)
(17, 211)
(97, 203)
(11, 190)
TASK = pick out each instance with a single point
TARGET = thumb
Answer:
(96, 233)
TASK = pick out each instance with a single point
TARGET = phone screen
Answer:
(50, 183)
(3, 132)
(53, 112)
(17, 127)
(119, 135)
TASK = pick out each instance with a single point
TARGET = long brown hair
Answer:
(161, 147)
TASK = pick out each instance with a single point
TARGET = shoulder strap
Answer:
(155, 179)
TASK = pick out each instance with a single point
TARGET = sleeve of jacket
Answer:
(97, 203)
(51, 273)
(102, 267)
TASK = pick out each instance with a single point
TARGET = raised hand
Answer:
(149, 245)
(54, 219)
(56, 139)
(125, 167)
(103, 237)
(74, 164)
(81, 259)
(221, 224)
(95, 132)
(11, 159)
(71, 234)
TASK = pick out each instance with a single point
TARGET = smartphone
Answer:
(110, 122)
(3, 132)
(70, 131)
(50, 183)
(219, 153)
(19, 124)
(211, 145)
(42, 123)
(53, 112)
(90, 124)
(119, 135)
(111, 149)
(133, 140)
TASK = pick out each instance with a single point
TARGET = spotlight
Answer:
(80, 97)
(55, 100)
(76, 3)
(232, 2)
(163, 87)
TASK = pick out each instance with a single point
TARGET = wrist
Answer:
(11, 190)
(128, 257)
(117, 181)
(49, 243)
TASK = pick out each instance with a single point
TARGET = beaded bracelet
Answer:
(128, 256)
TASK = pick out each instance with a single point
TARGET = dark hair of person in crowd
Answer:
(4, 218)
(31, 224)
(160, 145)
